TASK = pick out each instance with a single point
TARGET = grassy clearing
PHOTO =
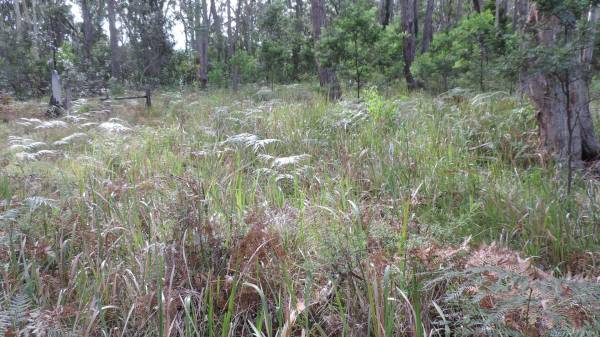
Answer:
(280, 214)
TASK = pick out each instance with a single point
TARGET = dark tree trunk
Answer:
(501, 11)
(327, 77)
(416, 19)
(561, 97)
(203, 37)
(385, 12)
(428, 26)
(407, 8)
(114, 40)
(477, 6)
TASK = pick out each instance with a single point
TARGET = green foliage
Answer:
(217, 76)
(348, 45)
(568, 11)
(247, 64)
(472, 55)
(321, 203)
(275, 51)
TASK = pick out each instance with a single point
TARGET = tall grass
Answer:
(215, 215)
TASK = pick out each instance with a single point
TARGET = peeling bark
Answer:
(562, 99)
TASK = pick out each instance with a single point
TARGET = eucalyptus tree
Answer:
(560, 40)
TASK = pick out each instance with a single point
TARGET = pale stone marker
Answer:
(56, 105)
(56, 89)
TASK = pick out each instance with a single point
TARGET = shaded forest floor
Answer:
(279, 214)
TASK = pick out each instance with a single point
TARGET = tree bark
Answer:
(428, 26)
(520, 13)
(36, 30)
(203, 46)
(327, 77)
(385, 12)
(217, 26)
(459, 13)
(18, 23)
(407, 8)
(88, 32)
(562, 98)
(299, 28)
(114, 40)
(477, 6)
(501, 11)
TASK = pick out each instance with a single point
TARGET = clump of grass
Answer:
(218, 215)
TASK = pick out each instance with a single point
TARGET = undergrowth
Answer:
(221, 215)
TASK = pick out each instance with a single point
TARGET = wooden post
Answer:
(56, 98)
(148, 98)
(56, 104)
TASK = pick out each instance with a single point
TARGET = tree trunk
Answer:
(416, 20)
(299, 28)
(459, 13)
(203, 46)
(232, 36)
(501, 11)
(217, 26)
(385, 12)
(88, 33)
(327, 77)
(55, 109)
(410, 41)
(114, 40)
(18, 22)
(230, 46)
(562, 99)
(520, 13)
(36, 30)
(477, 6)
(428, 26)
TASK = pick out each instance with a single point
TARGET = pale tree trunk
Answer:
(18, 22)
(36, 30)
(327, 77)
(520, 13)
(56, 108)
(230, 47)
(407, 8)
(233, 36)
(562, 98)
(235, 77)
(428, 26)
(114, 40)
(299, 28)
(385, 12)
